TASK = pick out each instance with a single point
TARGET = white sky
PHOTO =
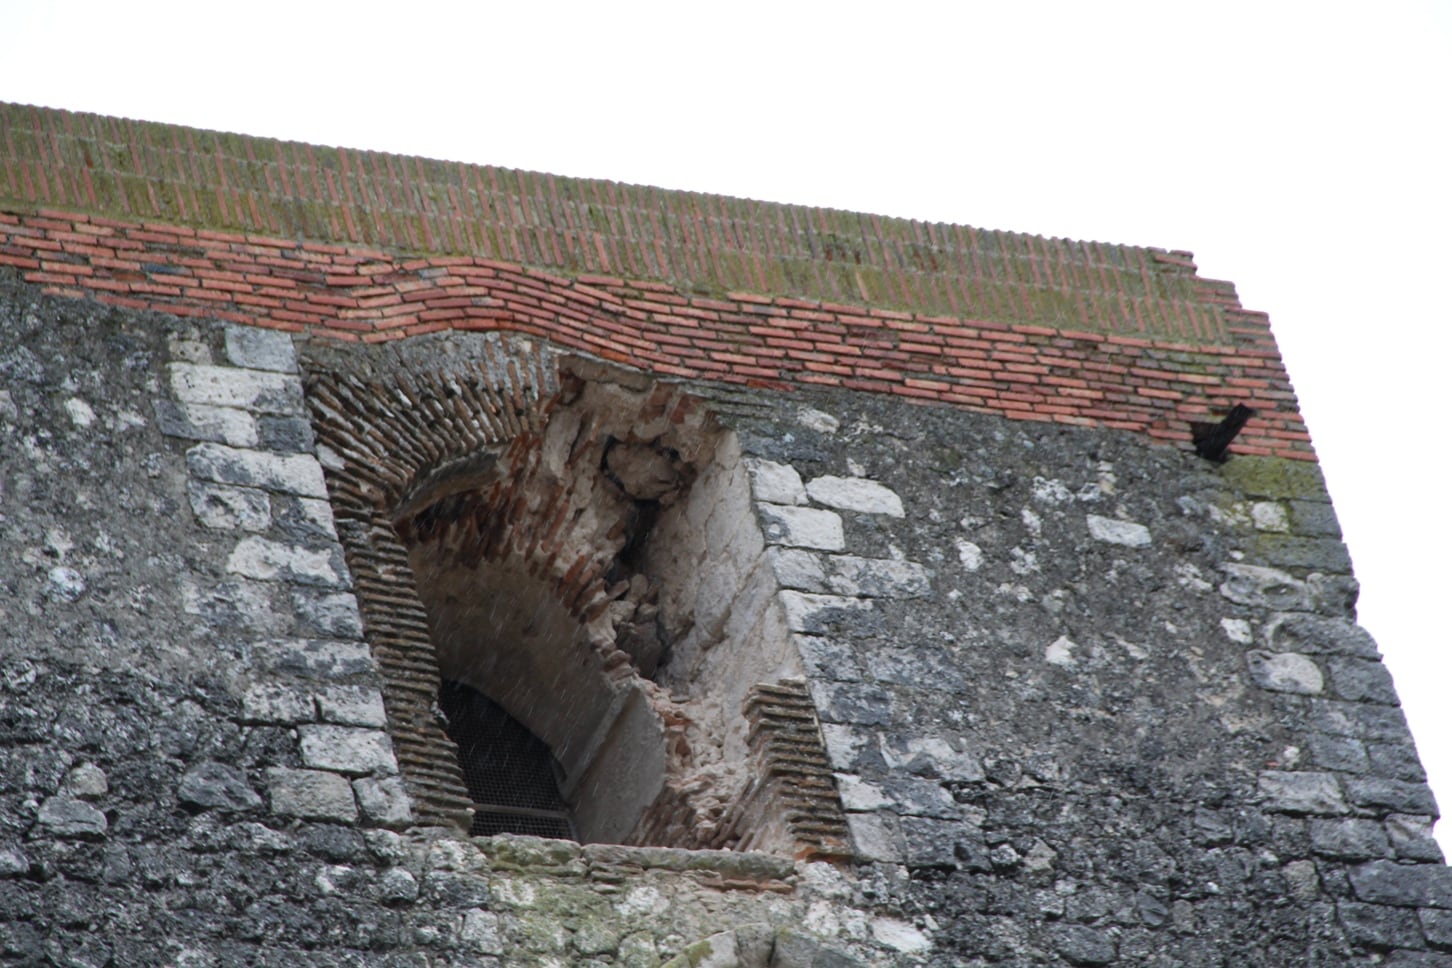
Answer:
(1298, 149)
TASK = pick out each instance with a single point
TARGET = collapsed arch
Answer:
(576, 542)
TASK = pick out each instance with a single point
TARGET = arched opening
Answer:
(575, 545)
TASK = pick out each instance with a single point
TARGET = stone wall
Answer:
(1087, 699)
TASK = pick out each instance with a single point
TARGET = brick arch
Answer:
(523, 522)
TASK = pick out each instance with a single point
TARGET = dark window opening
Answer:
(510, 773)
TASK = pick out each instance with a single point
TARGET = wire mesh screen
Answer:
(510, 773)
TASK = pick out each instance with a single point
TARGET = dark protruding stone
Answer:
(217, 786)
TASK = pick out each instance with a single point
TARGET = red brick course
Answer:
(1028, 372)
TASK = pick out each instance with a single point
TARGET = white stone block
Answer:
(1285, 672)
(299, 474)
(805, 612)
(775, 483)
(855, 494)
(267, 560)
(1114, 531)
(798, 569)
(347, 750)
(352, 706)
(802, 527)
(229, 508)
(230, 386)
(877, 577)
(261, 349)
(312, 794)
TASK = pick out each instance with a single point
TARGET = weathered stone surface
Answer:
(311, 794)
(352, 706)
(1405, 885)
(1352, 839)
(269, 702)
(217, 786)
(1083, 945)
(314, 658)
(802, 527)
(1437, 927)
(1306, 792)
(1300, 632)
(267, 560)
(1262, 587)
(64, 816)
(229, 508)
(855, 494)
(1130, 534)
(1361, 680)
(818, 614)
(798, 569)
(1376, 792)
(1377, 926)
(199, 421)
(226, 386)
(775, 483)
(299, 474)
(384, 800)
(876, 577)
(347, 749)
(260, 349)
(1285, 672)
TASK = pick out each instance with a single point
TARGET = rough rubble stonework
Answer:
(1076, 696)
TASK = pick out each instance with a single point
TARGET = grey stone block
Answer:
(1314, 634)
(267, 702)
(1290, 551)
(229, 508)
(1260, 587)
(876, 577)
(1350, 839)
(1404, 885)
(384, 801)
(347, 749)
(828, 658)
(260, 349)
(859, 704)
(1339, 753)
(1314, 519)
(64, 816)
(876, 837)
(299, 474)
(801, 527)
(1362, 680)
(220, 425)
(217, 786)
(1377, 793)
(352, 706)
(311, 794)
(1411, 837)
(1082, 945)
(289, 434)
(329, 614)
(1285, 672)
(1302, 792)
(1437, 927)
(227, 386)
(266, 560)
(1379, 926)
(314, 658)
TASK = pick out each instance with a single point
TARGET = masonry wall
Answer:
(1074, 695)
(1089, 700)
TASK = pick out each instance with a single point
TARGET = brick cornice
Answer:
(697, 243)
(1029, 372)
